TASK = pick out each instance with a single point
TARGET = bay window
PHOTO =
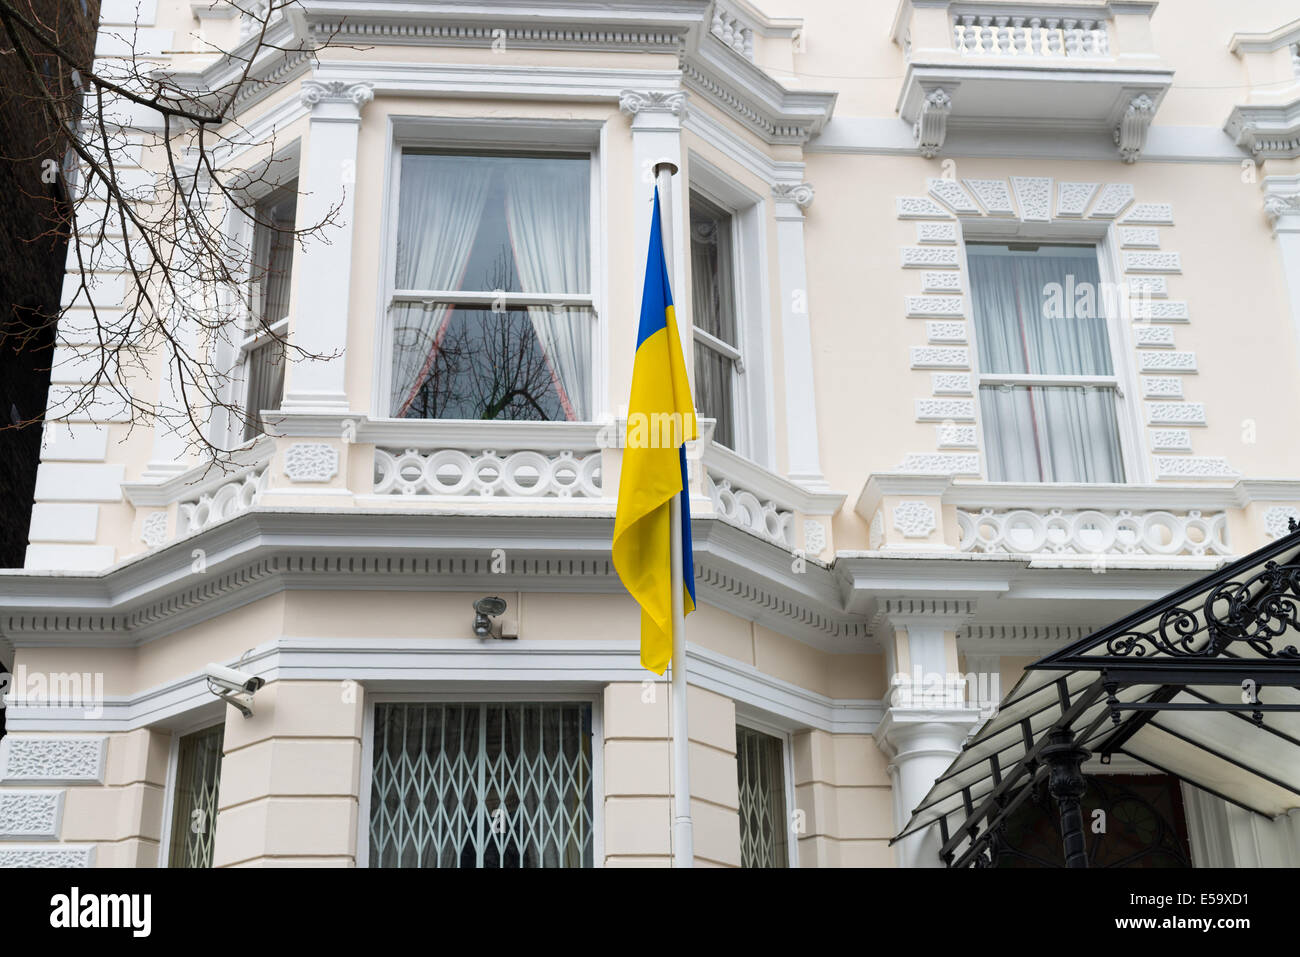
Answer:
(482, 785)
(1047, 381)
(492, 312)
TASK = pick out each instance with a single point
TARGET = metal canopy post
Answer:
(1066, 784)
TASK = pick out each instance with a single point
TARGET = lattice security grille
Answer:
(760, 767)
(198, 779)
(482, 785)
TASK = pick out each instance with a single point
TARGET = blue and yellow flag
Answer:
(660, 419)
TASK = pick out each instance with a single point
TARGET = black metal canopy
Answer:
(1203, 684)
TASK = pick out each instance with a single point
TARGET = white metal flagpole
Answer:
(683, 829)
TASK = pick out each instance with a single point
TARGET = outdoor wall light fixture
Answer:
(485, 609)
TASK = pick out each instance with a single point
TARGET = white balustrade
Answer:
(519, 474)
(731, 31)
(765, 518)
(230, 498)
(1032, 36)
(1093, 532)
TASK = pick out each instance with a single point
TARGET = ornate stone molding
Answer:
(632, 102)
(1279, 204)
(931, 127)
(801, 194)
(27, 815)
(1131, 134)
(315, 92)
(1266, 132)
(914, 519)
(52, 760)
(153, 531)
(62, 855)
(311, 462)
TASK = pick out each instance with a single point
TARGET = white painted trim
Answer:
(434, 694)
(748, 719)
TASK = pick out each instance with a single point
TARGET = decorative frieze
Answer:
(941, 463)
(1162, 386)
(1152, 262)
(1171, 440)
(457, 473)
(1164, 361)
(928, 257)
(1193, 467)
(814, 536)
(1114, 199)
(941, 332)
(1034, 197)
(1092, 532)
(52, 760)
(941, 282)
(1175, 413)
(1163, 310)
(1153, 337)
(1139, 237)
(920, 307)
(311, 462)
(939, 410)
(1148, 286)
(1072, 199)
(950, 383)
(944, 234)
(153, 530)
(949, 192)
(920, 207)
(27, 814)
(993, 195)
(952, 436)
(914, 519)
(1150, 214)
(940, 357)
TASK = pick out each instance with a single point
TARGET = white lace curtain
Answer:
(1044, 433)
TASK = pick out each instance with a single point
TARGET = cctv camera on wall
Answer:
(234, 687)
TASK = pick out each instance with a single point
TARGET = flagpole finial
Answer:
(668, 165)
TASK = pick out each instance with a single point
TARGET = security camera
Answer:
(235, 687)
(485, 609)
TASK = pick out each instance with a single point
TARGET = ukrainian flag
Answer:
(661, 418)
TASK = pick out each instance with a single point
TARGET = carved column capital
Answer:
(801, 194)
(632, 102)
(315, 93)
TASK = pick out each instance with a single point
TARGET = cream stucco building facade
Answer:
(887, 490)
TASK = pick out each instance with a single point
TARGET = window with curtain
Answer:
(270, 279)
(1047, 384)
(482, 785)
(194, 801)
(713, 306)
(760, 769)
(492, 314)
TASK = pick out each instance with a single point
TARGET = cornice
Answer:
(758, 102)
(1266, 132)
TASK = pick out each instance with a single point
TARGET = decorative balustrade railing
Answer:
(1092, 532)
(733, 32)
(452, 473)
(1020, 35)
(763, 517)
(236, 495)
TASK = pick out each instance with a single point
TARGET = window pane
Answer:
(272, 274)
(760, 767)
(482, 785)
(713, 281)
(194, 813)
(1047, 434)
(462, 362)
(488, 223)
(265, 384)
(714, 392)
(1041, 312)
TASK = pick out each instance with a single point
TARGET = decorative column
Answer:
(1282, 207)
(927, 719)
(803, 458)
(656, 137)
(1066, 784)
(322, 273)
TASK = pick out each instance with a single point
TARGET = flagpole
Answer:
(683, 829)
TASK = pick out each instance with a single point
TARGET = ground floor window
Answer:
(482, 785)
(194, 806)
(760, 767)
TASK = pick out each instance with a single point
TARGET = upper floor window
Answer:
(1047, 382)
(194, 798)
(261, 350)
(482, 785)
(760, 769)
(492, 313)
(718, 364)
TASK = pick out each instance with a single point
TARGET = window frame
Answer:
(193, 726)
(472, 696)
(506, 136)
(753, 398)
(746, 719)
(1102, 239)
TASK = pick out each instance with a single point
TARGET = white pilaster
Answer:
(322, 273)
(1282, 206)
(804, 459)
(657, 137)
